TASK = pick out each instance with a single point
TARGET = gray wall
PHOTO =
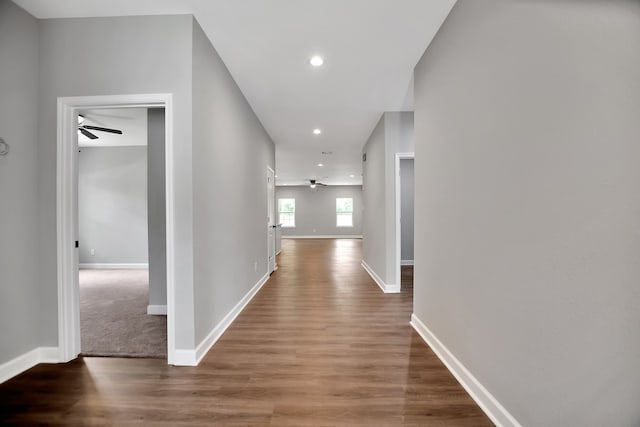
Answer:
(231, 152)
(393, 134)
(406, 209)
(528, 204)
(316, 210)
(143, 54)
(112, 205)
(19, 253)
(156, 202)
(374, 219)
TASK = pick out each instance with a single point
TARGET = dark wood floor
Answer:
(320, 344)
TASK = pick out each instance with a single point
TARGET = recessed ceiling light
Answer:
(352, 176)
(317, 131)
(320, 164)
(316, 61)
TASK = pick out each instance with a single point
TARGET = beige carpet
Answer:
(113, 315)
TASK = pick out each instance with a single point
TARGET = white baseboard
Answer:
(193, 357)
(494, 410)
(28, 360)
(184, 358)
(386, 288)
(112, 266)
(157, 310)
(322, 237)
(49, 355)
(406, 262)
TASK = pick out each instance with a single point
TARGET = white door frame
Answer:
(399, 156)
(67, 212)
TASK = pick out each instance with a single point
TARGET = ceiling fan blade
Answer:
(87, 133)
(119, 132)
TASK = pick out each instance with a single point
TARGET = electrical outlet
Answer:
(93, 252)
(255, 266)
(314, 230)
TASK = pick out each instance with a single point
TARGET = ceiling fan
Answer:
(313, 183)
(84, 129)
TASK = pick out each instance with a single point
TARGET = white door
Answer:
(271, 221)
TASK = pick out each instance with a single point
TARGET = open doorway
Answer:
(406, 224)
(271, 221)
(67, 215)
(121, 223)
(405, 190)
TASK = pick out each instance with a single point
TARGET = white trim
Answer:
(19, 364)
(487, 402)
(322, 237)
(157, 310)
(193, 357)
(406, 262)
(49, 354)
(112, 266)
(28, 360)
(184, 358)
(398, 225)
(66, 196)
(66, 212)
(386, 288)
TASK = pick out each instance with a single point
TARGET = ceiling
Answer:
(370, 48)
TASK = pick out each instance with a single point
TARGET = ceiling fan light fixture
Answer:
(320, 165)
(316, 61)
(317, 131)
(312, 186)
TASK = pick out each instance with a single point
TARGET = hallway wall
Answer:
(528, 204)
(231, 152)
(393, 134)
(19, 239)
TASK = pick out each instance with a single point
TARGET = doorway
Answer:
(271, 221)
(121, 223)
(405, 190)
(67, 213)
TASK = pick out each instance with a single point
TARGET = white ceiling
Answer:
(369, 46)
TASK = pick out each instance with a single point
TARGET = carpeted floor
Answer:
(113, 315)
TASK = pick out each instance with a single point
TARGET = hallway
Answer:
(320, 344)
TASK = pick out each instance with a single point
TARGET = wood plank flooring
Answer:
(319, 345)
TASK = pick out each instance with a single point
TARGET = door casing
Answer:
(67, 212)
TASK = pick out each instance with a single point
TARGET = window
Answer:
(344, 212)
(287, 212)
